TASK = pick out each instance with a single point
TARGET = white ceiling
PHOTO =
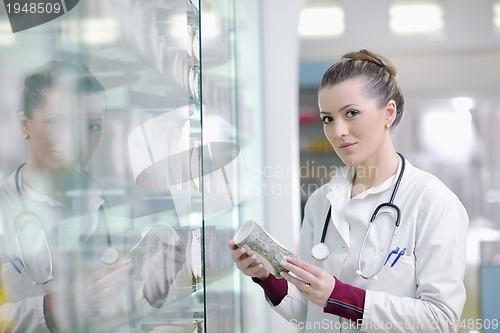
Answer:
(465, 58)
(468, 25)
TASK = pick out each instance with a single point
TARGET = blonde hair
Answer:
(379, 74)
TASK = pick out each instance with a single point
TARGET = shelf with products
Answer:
(319, 146)
(318, 160)
(312, 137)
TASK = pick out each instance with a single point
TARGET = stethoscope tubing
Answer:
(111, 252)
(325, 226)
(389, 204)
(46, 243)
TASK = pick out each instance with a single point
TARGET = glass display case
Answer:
(168, 165)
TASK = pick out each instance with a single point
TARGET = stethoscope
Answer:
(321, 251)
(28, 218)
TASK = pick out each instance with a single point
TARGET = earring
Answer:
(27, 137)
(387, 127)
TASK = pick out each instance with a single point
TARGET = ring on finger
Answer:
(306, 287)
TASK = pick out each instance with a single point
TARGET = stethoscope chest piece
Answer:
(110, 256)
(320, 251)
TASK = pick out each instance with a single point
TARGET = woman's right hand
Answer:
(104, 285)
(248, 265)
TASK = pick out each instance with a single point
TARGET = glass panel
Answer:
(137, 153)
(222, 187)
(233, 141)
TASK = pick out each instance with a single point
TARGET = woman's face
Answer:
(65, 130)
(354, 123)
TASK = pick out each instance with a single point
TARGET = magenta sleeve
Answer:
(346, 301)
(275, 289)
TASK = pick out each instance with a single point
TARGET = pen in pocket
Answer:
(400, 254)
(395, 251)
(13, 260)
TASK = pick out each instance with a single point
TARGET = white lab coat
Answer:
(24, 311)
(424, 291)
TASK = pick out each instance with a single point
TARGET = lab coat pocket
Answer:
(398, 280)
(15, 282)
(8, 270)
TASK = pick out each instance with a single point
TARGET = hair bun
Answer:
(369, 56)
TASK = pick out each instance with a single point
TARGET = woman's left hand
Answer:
(102, 286)
(313, 282)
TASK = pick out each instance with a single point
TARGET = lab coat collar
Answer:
(343, 177)
(92, 195)
(340, 194)
(384, 186)
(85, 201)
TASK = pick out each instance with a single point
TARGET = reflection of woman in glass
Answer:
(50, 197)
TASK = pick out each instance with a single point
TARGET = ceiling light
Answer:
(412, 18)
(91, 31)
(210, 27)
(321, 22)
(462, 104)
(178, 27)
(496, 14)
(452, 144)
(6, 35)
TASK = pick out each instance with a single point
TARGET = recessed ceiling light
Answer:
(210, 26)
(91, 31)
(413, 18)
(496, 14)
(317, 22)
(462, 103)
(6, 35)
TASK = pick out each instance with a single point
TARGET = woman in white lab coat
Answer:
(410, 282)
(62, 113)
